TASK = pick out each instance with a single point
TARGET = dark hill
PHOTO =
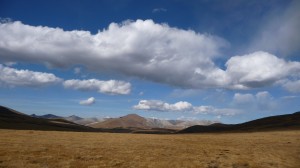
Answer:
(280, 122)
(11, 119)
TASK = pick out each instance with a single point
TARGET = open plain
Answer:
(26, 148)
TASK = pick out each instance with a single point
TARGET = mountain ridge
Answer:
(278, 122)
(133, 123)
(142, 122)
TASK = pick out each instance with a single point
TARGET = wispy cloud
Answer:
(292, 86)
(77, 70)
(156, 10)
(280, 33)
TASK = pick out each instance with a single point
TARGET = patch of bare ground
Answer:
(76, 149)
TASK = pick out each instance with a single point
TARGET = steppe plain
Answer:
(27, 148)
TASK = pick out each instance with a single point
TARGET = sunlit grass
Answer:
(74, 149)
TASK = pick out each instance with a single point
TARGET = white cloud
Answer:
(239, 98)
(108, 87)
(182, 106)
(158, 105)
(14, 77)
(88, 101)
(260, 101)
(140, 48)
(144, 49)
(263, 96)
(259, 69)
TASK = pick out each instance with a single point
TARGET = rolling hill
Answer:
(11, 119)
(280, 122)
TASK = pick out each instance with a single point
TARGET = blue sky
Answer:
(231, 61)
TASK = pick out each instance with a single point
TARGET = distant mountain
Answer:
(280, 122)
(128, 121)
(46, 116)
(11, 119)
(136, 121)
(176, 124)
(88, 121)
(73, 118)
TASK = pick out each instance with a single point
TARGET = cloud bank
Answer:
(88, 101)
(13, 77)
(143, 49)
(181, 106)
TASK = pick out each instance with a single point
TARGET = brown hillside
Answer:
(128, 121)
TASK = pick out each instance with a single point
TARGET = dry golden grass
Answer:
(74, 149)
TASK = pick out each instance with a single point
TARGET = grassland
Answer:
(74, 149)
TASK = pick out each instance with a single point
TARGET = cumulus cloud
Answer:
(259, 101)
(144, 49)
(182, 106)
(14, 77)
(259, 69)
(158, 105)
(88, 101)
(239, 98)
(108, 87)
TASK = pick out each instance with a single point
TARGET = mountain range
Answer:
(130, 121)
(133, 123)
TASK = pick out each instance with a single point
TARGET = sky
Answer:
(230, 61)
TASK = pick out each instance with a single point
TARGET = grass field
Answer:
(74, 149)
